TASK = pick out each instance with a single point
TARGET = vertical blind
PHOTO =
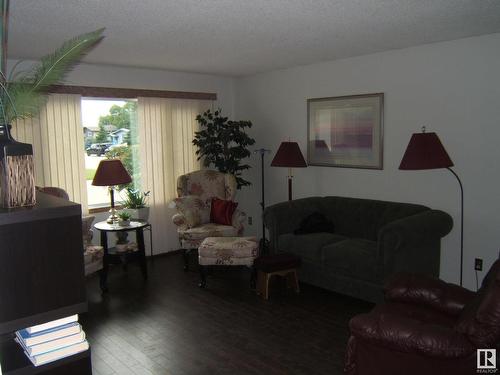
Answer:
(166, 131)
(58, 146)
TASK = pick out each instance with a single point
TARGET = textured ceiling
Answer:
(241, 37)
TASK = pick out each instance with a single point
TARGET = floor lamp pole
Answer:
(263, 243)
(290, 177)
(461, 224)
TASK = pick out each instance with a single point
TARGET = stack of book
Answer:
(53, 340)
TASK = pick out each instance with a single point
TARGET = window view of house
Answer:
(110, 131)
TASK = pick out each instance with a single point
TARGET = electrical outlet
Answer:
(478, 264)
(250, 220)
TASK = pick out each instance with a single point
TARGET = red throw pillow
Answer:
(222, 211)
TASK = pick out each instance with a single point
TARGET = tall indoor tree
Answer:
(223, 143)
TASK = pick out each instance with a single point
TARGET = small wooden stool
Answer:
(283, 264)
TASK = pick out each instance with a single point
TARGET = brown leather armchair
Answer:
(426, 326)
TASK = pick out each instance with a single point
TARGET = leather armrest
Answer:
(410, 336)
(435, 293)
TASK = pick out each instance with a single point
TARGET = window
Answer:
(110, 131)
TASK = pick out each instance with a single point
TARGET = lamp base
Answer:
(113, 217)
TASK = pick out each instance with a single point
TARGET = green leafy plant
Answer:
(223, 144)
(124, 215)
(135, 199)
(128, 155)
(23, 93)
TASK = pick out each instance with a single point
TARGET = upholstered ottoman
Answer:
(283, 264)
(226, 251)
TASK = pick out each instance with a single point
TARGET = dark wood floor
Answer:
(168, 325)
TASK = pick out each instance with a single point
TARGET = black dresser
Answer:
(41, 278)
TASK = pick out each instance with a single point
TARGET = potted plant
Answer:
(224, 144)
(136, 203)
(124, 218)
(22, 95)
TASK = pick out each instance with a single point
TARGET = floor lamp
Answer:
(425, 151)
(289, 156)
(263, 241)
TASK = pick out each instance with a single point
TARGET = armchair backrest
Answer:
(207, 184)
(54, 191)
(87, 230)
(480, 318)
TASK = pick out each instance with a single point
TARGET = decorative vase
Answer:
(124, 223)
(139, 213)
(17, 171)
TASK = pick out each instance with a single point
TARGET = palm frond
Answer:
(23, 97)
(27, 102)
(13, 72)
(55, 66)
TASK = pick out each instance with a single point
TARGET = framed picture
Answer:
(346, 131)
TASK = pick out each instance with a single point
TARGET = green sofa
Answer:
(371, 241)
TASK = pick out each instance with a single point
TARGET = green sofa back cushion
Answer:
(363, 218)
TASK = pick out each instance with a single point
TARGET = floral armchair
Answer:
(195, 191)
(92, 254)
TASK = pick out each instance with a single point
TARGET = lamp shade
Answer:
(425, 151)
(289, 155)
(110, 173)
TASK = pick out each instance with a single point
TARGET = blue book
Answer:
(51, 345)
(28, 339)
(54, 355)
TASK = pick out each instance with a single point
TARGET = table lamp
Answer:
(290, 156)
(111, 173)
(425, 151)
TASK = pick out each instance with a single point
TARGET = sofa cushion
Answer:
(307, 246)
(363, 218)
(208, 230)
(352, 257)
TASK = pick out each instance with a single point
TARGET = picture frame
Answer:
(346, 131)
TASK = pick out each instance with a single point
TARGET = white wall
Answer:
(453, 88)
(152, 79)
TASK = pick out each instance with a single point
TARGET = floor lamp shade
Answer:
(111, 173)
(425, 151)
(289, 156)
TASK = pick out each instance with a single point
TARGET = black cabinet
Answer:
(41, 277)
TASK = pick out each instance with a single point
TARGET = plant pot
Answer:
(139, 213)
(124, 223)
(17, 171)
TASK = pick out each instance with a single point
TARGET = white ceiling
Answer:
(242, 37)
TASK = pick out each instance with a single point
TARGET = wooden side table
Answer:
(111, 256)
(283, 264)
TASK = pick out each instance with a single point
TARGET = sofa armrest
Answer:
(421, 289)
(420, 227)
(180, 221)
(411, 336)
(238, 221)
(411, 244)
